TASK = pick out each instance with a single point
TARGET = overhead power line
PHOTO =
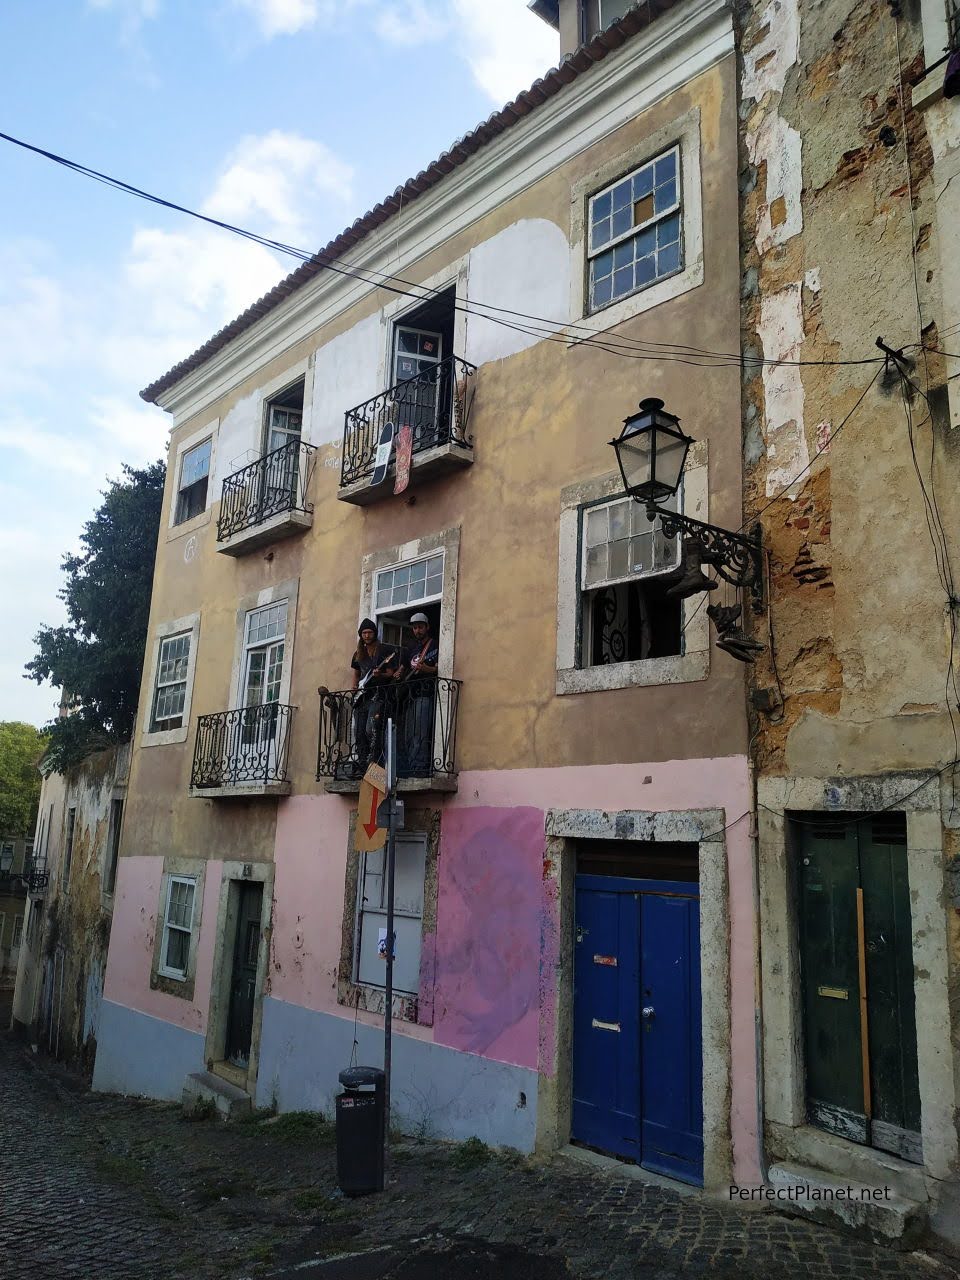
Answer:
(540, 327)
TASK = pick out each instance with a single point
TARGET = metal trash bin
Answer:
(360, 1116)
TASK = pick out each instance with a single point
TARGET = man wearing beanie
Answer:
(374, 660)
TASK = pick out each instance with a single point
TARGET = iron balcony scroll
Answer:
(736, 557)
(435, 404)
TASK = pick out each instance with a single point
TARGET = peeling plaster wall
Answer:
(857, 652)
(61, 975)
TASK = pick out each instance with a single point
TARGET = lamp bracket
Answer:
(737, 557)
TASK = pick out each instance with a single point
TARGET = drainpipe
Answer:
(757, 970)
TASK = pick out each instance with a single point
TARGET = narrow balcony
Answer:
(36, 875)
(243, 752)
(353, 728)
(266, 500)
(435, 405)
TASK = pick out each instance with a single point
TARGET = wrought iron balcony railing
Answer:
(36, 875)
(353, 728)
(435, 404)
(273, 484)
(242, 748)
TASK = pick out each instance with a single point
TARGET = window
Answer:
(171, 687)
(27, 854)
(68, 855)
(635, 231)
(264, 638)
(626, 614)
(113, 846)
(6, 858)
(284, 418)
(408, 914)
(3, 921)
(177, 927)
(33, 921)
(194, 472)
(17, 930)
(402, 588)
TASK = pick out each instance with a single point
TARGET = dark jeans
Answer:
(416, 738)
(368, 729)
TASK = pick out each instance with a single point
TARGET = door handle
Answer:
(647, 1011)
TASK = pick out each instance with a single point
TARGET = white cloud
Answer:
(286, 17)
(410, 22)
(135, 11)
(50, 450)
(505, 45)
(277, 179)
(139, 433)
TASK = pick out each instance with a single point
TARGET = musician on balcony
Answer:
(372, 664)
(418, 669)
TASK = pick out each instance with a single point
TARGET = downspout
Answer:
(757, 969)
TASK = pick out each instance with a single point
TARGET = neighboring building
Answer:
(15, 858)
(71, 891)
(582, 753)
(850, 226)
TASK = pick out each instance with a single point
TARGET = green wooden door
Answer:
(855, 940)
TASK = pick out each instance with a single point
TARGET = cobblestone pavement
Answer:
(94, 1187)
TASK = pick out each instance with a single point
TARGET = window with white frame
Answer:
(370, 950)
(6, 857)
(17, 930)
(625, 611)
(635, 231)
(264, 643)
(27, 854)
(194, 476)
(177, 926)
(403, 589)
(171, 685)
(68, 848)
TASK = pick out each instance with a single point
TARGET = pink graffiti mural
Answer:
(492, 919)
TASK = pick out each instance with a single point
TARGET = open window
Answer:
(626, 613)
(422, 370)
(283, 424)
(192, 486)
(404, 589)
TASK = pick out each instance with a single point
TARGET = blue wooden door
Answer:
(637, 1060)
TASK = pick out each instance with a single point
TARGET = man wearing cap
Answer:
(418, 668)
(372, 665)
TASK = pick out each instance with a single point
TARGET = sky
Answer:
(287, 117)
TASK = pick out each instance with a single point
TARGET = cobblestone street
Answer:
(98, 1187)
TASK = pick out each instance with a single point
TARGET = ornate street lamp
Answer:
(651, 453)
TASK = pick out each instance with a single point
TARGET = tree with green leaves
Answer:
(97, 657)
(21, 746)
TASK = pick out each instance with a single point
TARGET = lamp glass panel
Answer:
(635, 459)
(671, 454)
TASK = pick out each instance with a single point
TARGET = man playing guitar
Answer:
(418, 668)
(370, 665)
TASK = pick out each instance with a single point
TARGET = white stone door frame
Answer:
(918, 796)
(704, 827)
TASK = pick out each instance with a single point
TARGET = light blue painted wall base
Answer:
(144, 1056)
(437, 1092)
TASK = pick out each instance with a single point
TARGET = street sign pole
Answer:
(391, 874)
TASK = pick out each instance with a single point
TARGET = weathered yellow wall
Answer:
(541, 421)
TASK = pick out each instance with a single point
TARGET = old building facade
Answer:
(849, 231)
(578, 838)
(63, 954)
(15, 857)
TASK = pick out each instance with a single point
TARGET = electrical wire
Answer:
(540, 326)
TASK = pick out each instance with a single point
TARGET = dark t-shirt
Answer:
(428, 656)
(365, 663)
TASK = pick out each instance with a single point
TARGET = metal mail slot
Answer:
(605, 1026)
(834, 993)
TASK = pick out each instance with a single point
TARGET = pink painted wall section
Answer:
(130, 958)
(492, 918)
(494, 953)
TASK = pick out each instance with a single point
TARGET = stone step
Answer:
(871, 1209)
(203, 1088)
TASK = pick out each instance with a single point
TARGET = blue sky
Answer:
(290, 117)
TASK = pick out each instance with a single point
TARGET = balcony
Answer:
(352, 729)
(36, 875)
(243, 752)
(266, 500)
(435, 405)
